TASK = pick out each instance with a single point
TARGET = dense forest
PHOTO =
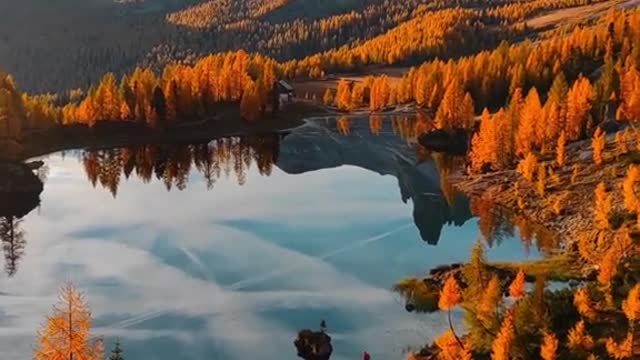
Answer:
(527, 101)
(49, 55)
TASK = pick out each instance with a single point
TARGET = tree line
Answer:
(172, 164)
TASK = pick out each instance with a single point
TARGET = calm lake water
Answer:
(315, 225)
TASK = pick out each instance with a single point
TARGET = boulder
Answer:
(20, 189)
(313, 345)
(455, 142)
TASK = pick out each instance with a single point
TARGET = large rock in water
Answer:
(20, 189)
(456, 142)
(313, 345)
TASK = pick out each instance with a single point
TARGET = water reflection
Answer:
(385, 146)
(497, 223)
(236, 271)
(172, 163)
(20, 192)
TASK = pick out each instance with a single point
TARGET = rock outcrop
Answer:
(20, 189)
(313, 345)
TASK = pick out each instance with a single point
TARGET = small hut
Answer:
(285, 91)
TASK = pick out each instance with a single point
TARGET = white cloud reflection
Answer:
(151, 257)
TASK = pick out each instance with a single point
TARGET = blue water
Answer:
(235, 271)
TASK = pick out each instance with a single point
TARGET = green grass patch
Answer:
(418, 295)
(563, 267)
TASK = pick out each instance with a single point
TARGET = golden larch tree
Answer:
(343, 96)
(357, 96)
(629, 109)
(549, 347)
(504, 140)
(582, 302)
(623, 350)
(530, 114)
(579, 339)
(452, 112)
(501, 346)
(484, 144)
(490, 300)
(542, 176)
(66, 332)
(250, 102)
(608, 269)
(578, 107)
(622, 139)
(561, 149)
(517, 289)
(450, 297)
(450, 349)
(602, 207)
(631, 306)
(628, 188)
(527, 167)
(598, 143)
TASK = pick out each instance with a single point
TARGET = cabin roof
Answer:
(285, 85)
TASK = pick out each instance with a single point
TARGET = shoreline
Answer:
(116, 134)
(108, 134)
(573, 201)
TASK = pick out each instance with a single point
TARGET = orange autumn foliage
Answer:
(578, 106)
(456, 108)
(450, 348)
(579, 339)
(484, 147)
(549, 348)
(526, 134)
(582, 302)
(623, 350)
(517, 289)
(630, 87)
(602, 207)
(501, 346)
(631, 306)
(622, 139)
(450, 295)
(491, 298)
(598, 143)
(66, 333)
(527, 167)
(561, 149)
(628, 188)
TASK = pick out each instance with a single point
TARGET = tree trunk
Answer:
(453, 331)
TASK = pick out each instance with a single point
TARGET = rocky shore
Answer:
(567, 205)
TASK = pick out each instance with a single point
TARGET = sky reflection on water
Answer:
(232, 272)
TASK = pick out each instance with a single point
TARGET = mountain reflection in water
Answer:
(222, 274)
(379, 146)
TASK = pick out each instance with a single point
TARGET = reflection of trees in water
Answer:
(13, 243)
(172, 164)
(447, 165)
(19, 195)
(376, 124)
(497, 223)
(343, 124)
